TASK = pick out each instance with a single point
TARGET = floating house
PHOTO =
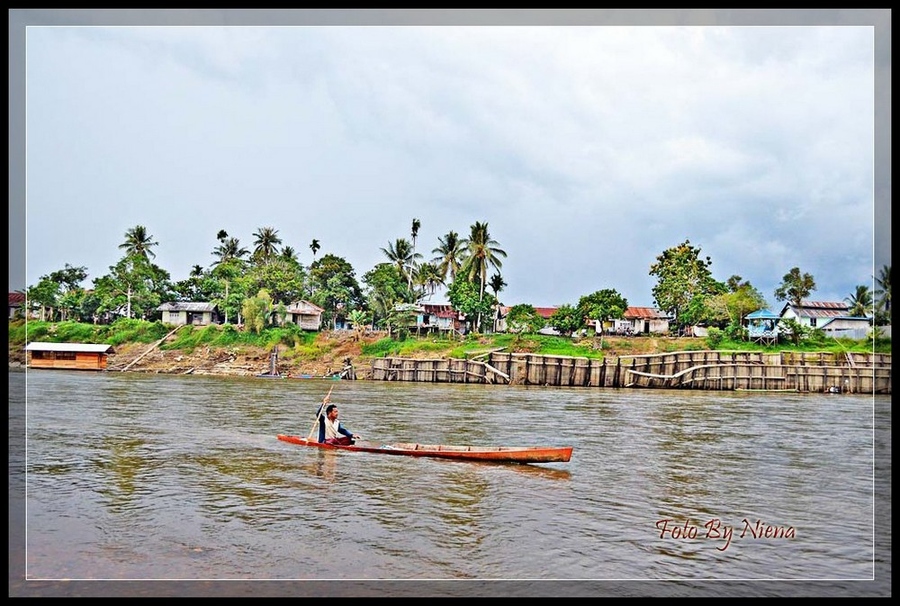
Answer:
(67, 356)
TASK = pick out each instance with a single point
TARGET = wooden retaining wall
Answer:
(716, 370)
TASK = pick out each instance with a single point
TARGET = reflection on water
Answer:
(181, 477)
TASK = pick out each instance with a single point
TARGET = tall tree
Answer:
(414, 232)
(684, 281)
(228, 267)
(139, 242)
(450, 253)
(795, 287)
(497, 283)
(314, 246)
(336, 288)
(266, 242)
(482, 253)
(401, 254)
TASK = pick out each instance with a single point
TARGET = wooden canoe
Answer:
(497, 454)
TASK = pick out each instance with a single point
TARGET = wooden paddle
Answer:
(315, 426)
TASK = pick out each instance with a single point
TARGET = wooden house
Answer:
(189, 313)
(16, 305)
(439, 317)
(762, 326)
(647, 320)
(67, 356)
(303, 313)
(832, 317)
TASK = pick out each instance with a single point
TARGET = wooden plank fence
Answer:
(715, 370)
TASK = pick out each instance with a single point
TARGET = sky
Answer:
(589, 141)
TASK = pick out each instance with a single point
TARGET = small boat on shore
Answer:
(496, 454)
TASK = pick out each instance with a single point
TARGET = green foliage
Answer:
(684, 282)
(381, 348)
(567, 319)
(256, 311)
(131, 330)
(77, 332)
(793, 330)
(524, 318)
(467, 299)
(714, 337)
(795, 287)
(606, 304)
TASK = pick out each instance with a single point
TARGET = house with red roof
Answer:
(16, 305)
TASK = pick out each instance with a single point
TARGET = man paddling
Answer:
(330, 429)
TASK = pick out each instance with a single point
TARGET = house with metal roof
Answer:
(832, 317)
(182, 313)
(16, 305)
(647, 320)
(67, 356)
(303, 313)
(762, 326)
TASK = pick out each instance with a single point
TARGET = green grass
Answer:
(293, 342)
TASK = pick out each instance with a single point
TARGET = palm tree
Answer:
(481, 253)
(883, 292)
(230, 253)
(428, 276)
(138, 242)
(497, 283)
(314, 247)
(266, 243)
(229, 249)
(401, 254)
(288, 253)
(450, 254)
(196, 271)
(416, 224)
(861, 302)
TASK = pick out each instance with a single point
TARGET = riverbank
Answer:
(332, 352)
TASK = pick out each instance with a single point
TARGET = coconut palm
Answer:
(230, 255)
(861, 302)
(428, 276)
(314, 247)
(416, 224)
(266, 243)
(482, 252)
(139, 242)
(449, 253)
(497, 284)
(228, 250)
(401, 254)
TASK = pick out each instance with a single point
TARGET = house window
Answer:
(812, 322)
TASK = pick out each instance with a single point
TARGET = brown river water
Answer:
(126, 484)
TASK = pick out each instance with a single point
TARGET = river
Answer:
(178, 485)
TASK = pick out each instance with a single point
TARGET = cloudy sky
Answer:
(589, 141)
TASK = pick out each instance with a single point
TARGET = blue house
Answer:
(762, 326)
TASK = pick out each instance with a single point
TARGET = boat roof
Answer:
(76, 347)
